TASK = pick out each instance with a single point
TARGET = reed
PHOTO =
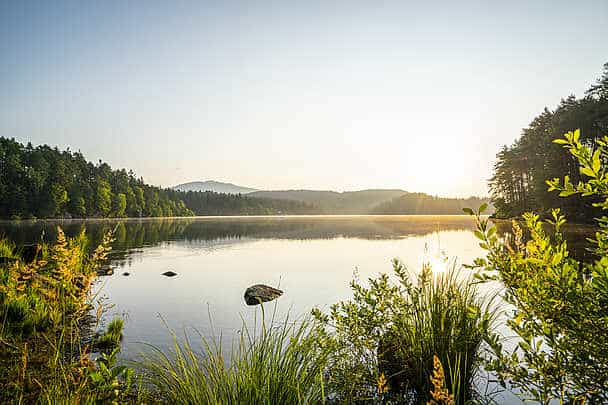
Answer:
(281, 363)
(385, 338)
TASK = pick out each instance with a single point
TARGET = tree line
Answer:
(424, 204)
(518, 183)
(44, 182)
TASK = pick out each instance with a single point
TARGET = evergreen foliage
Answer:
(518, 183)
(424, 204)
(44, 182)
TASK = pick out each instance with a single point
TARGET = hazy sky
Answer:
(328, 95)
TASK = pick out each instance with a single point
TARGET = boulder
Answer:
(169, 273)
(256, 294)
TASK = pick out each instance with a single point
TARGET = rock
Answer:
(126, 273)
(169, 273)
(256, 294)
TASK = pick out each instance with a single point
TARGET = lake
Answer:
(311, 258)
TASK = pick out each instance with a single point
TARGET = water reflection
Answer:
(311, 258)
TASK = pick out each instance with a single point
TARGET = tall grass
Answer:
(7, 248)
(390, 331)
(279, 364)
(448, 317)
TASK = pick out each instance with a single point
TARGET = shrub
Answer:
(394, 330)
(560, 314)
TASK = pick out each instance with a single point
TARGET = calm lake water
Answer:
(312, 259)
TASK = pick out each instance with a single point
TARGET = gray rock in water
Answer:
(169, 273)
(256, 294)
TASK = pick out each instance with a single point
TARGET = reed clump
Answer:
(280, 364)
(394, 328)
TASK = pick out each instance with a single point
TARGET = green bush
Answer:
(384, 339)
(560, 314)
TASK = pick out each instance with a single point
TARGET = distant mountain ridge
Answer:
(371, 201)
(215, 186)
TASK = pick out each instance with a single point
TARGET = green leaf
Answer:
(596, 163)
(483, 207)
(468, 211)
(587, 172)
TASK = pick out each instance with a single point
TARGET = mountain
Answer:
(333, 202)
(215, 186)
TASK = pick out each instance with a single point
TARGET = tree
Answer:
(58, 199)
(103, 197)
(119, 205)
(518, 181)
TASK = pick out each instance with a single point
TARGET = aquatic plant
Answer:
(110, 339)
(280, 364)
(396, 328)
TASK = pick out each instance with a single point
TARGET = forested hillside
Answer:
(212, 203)
(332, 202)
(424, 204)
(518, 184)
(44, 182)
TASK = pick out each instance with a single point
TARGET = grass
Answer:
(445, 316)
(281, 364)
(7, 249)
(44, 305)
(112, 336)
(385, 338)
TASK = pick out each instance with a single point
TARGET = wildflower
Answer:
(440, 395)
(382, 383)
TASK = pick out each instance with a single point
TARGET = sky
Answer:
(340, 95)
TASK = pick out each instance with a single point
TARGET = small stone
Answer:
(126, 273)
(256, 294)
(169, 273)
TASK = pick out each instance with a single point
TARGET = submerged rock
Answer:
(256, 294)
(169, 273)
